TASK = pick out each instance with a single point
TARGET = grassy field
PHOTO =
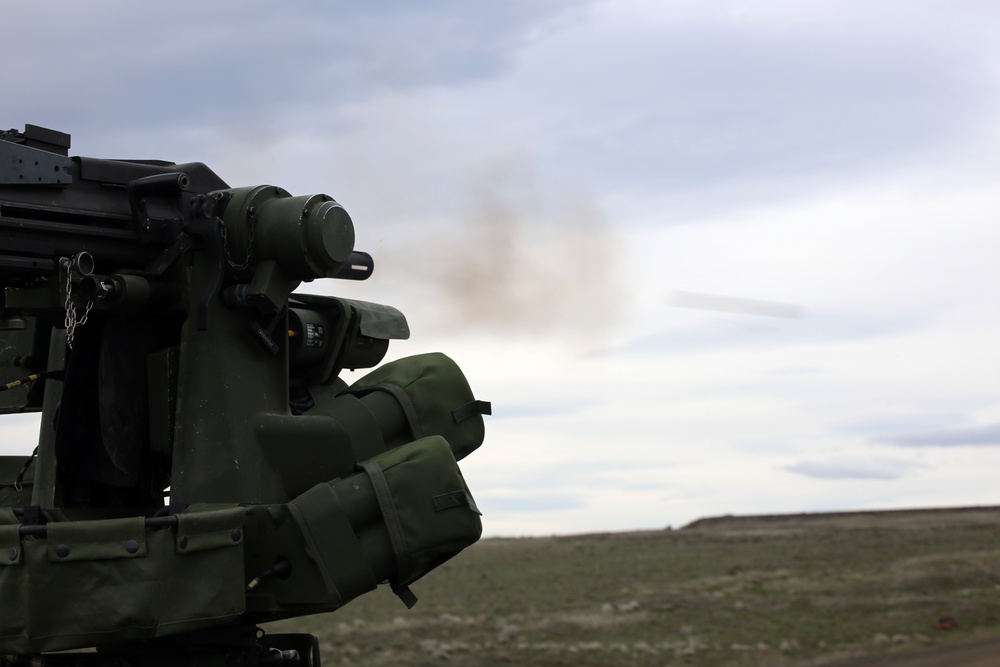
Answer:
(784, 590)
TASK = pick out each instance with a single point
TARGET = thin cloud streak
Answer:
(836, 469)
(735, 305)
(975, 436)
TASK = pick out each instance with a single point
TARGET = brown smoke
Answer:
(518, 266)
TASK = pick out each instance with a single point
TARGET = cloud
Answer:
(18, 434)
(838, 469)
(735, 305)
(703, 107)
(543, 409)
(229, 62)
(988, 436)
(526, 502)
(536, 177)
(706, 112)
(893, 423)
(730, 327)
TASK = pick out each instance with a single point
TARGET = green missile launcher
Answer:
(201, 468)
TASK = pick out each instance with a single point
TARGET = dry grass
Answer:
(782, 591)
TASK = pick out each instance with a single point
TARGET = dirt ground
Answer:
(848, 589)
(982, 653)
(979, 654)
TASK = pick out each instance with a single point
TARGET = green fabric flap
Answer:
(435, 397)
(10, 538)
(96, 540)
(98, 595)
(332, 542)
(202, 527)
(417, 474)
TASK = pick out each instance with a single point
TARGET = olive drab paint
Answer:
(149, 314)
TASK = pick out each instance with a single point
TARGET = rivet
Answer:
(12, 553)
(184, 543)
(132, 546)
(62, 550)
(237, 535)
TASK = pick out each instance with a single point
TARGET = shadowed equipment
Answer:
(149, 314)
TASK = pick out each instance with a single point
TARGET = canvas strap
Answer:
(463, 412)
(394, 526)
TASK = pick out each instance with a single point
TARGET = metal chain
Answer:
(71, 321)
(18, 483)
(225, 243)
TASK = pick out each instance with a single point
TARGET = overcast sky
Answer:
(704, 258)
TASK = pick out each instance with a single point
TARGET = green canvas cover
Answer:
(103, 582)
(434, 396)
(407, 512)
(400, 402)
(435, 514)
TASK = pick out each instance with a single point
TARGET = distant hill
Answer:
(901, 517)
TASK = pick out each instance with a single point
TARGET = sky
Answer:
(703, 258)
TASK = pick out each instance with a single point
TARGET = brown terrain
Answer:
(974, 654)
(978, 654)
(917, 588)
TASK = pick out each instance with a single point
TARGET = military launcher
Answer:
(201, 467)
